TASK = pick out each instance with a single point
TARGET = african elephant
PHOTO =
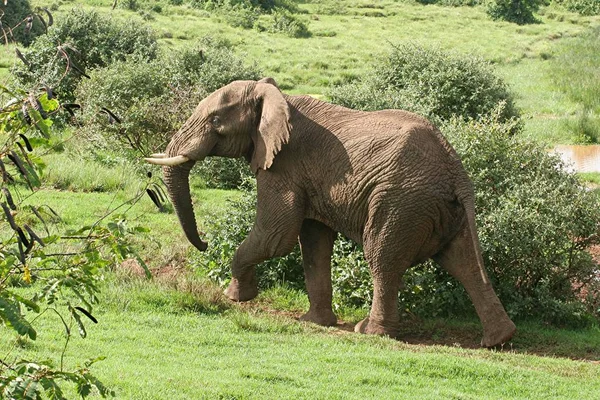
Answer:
(387, 179)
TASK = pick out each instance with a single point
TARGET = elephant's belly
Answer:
(344, 222)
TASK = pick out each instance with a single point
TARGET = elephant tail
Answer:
(466, 196)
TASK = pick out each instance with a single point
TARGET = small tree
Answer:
(517, 11)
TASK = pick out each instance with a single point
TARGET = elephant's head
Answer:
(243, 119)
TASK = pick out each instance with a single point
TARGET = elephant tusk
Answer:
(158, 155)
(169, 162)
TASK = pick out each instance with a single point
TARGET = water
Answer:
(581, 158)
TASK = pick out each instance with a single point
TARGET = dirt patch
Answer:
(169, 272)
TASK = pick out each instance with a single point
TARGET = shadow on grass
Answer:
(531, 337)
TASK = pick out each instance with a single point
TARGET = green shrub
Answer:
(265, 6)
(152, 99)
(287, 23)
(583, 7)
(517, 11)
(452, 3)
(15, 13)
(430, 82)
(240, 15)
(223, 173)
(536, 221)
(91, 40)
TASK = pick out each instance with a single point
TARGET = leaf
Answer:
(80, 325)
(25, 387)
(11, 314)
(47, 100)
(30, 304)
(53, 391)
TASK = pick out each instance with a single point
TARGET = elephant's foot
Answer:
(372, 328)
(242, 291)
(323, 317)
(496, 334)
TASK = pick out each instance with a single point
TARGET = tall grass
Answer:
(67, 171)
(576, 71)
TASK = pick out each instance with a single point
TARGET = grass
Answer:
(180, 340)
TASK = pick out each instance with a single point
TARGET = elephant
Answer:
(387, 180)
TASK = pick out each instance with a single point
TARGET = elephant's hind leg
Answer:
(316, 243)
(389, 249)
(462, 259)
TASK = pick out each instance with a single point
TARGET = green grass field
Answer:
(176, 337)
(179, 339)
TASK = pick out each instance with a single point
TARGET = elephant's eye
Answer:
(215, 121)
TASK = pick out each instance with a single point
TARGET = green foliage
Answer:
(289, 24)
(430, 82)
(15, 24)
(68, 283)
(452, 3)
(517, 11)
(576, 71)
(583, 7)
(241, 14)
(86, 40)
(151, 99)
(223, 173)
(536, 222)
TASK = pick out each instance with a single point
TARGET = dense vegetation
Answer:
(136, 74)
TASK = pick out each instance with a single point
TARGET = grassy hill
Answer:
(347, 37)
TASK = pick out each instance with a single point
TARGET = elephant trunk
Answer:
(178, 187)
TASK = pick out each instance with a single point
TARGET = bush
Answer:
(517, 11)
(223, 173)
(152, 99)
(452, 3)
(264, 6)
(536, 221)
(15, 13)
(89, 40)
(286, 22)
(430, 82)
(583, 7)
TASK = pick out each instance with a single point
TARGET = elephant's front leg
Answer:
(275, 233)
(316, 243)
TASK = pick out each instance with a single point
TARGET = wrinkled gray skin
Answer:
(388, 180)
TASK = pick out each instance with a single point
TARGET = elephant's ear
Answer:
(274, 124)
